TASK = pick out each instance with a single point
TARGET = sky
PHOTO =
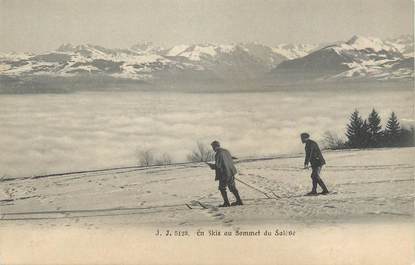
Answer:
(42, 25)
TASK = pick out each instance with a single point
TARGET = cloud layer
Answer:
(55, 133)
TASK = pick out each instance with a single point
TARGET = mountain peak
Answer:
(365, 57)
(67, 47)
(145, 46)
(293, 51)
(362, 43)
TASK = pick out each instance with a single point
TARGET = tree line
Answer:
(360, 133)
(368, 133)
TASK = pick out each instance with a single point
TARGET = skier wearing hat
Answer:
(225, 173)
(314, 156)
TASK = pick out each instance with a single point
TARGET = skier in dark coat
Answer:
(225, 173)
(314, 156)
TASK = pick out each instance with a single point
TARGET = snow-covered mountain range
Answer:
(358, 58)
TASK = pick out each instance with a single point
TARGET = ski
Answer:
(201, 204)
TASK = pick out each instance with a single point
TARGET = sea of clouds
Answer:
(43, 134)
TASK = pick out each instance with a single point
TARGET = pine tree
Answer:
(393, 130)
(365, 135)
(354, 130)
(374, 129)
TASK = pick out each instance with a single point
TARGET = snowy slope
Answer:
(153, 214)
(357, 58)
(370, 43)
(293, 51)
(362, 188)
(193, 52)
(69, 60)
(405, 45)
(227, 61)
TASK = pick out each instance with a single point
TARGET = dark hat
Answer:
(305, 136)
(215, 143)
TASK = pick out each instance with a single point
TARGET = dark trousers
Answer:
(227, 182)
(315, 176)
(230, 183)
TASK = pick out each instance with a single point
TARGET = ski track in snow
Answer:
(272, 190)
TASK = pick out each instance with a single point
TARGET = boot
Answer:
(323, 186)
(225, 199)
(237, 197)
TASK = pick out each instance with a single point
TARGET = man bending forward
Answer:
(225, 173)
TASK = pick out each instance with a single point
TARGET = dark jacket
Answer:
(313, 154)
(224, 166)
